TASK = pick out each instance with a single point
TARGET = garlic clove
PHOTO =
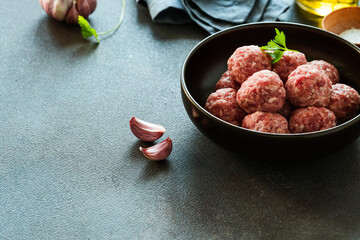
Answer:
(46, 6)
(85, 7)
(159, 151)
(59, 9)
(72, 15)
(146, 131)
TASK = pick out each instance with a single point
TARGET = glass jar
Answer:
(322, 8)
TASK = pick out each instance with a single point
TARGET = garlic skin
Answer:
(158, 151)
(68, 10)
(146, 131)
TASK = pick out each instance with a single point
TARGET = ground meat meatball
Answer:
(227, 82)
(288, 62)
(247, 60)
(266, 122)
(311, 119)
(263, 91)
(223, 105)
(344, 102)
(329, 69)
(308, 86)
(287, 109)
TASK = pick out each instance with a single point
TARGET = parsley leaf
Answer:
(86, 29)
(275, 48)
(280, 38)
(276, 55)
(272, 45)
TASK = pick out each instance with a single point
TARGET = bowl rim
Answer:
(194, 103)
(332, 13)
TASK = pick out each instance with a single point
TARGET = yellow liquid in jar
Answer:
(322, 8)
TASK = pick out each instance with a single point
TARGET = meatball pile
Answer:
(289, 96)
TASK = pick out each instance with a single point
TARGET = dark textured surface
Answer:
(71, 169)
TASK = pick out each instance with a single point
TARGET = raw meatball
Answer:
(263, 91)
(286, 109)
(288, 62)
(227, 82)
(329, 69)
(311, 119)
(247, 60)
(344, 102)
(266, 122)
(308, 86)
(223, 105)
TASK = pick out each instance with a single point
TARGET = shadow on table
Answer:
(254, 199)
(55, 35)
(154, 169)
(151, 169)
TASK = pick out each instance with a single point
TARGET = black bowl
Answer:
(207, 61)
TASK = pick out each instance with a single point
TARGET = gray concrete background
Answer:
(70, 168)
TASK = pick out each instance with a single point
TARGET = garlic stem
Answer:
(119, 23)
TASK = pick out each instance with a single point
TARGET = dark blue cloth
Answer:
(215, 15)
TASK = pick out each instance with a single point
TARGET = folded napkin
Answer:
(216, 15)
(166, 11)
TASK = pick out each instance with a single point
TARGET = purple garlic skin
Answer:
(158, 151)
(146, 131)
(68, 10)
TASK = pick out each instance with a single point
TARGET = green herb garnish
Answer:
(87, 31)
(276, 47)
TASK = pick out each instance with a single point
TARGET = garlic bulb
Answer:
(68, 10)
